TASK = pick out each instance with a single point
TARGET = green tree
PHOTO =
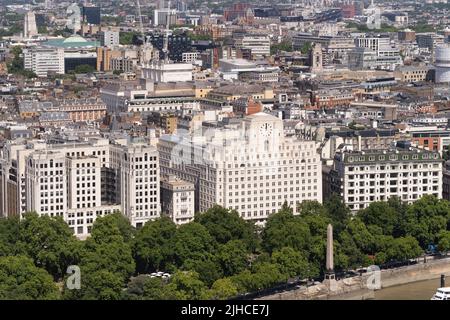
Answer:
(283, 229)
(262, 276)
(154, 245)
(114, 256)
(42, 30)
(401, 209)
(423, 26)
(126, 38)
(9, 235)
(285, 46)
(266, 275)
(157, 289)
(317, 255)
(380, 214)
(100, 284)
(197, 37)
(193, 242)
(188, 286)
(315, 215)
(84, 68)
(306, 47)
(317, 224)
(243, 282)
(361, 236)
(49, 242)
(426, 218)
(223, 289)
(106, 263)
(353, 255)
(16, 66)
(311, 207)
(126, 229)
(135, 287)
(444, 241)
(291, 263)
(208, 269)
(404, 248)
(225, 225)
(20, 279)
(107, 250)
(233, 257)
(338, 212)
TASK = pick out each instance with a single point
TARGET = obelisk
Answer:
(329, 272)
(330, 262)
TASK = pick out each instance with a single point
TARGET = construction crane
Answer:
(166, 36)
(141, 31)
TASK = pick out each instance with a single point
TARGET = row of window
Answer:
(393, 190)
(291, 196)
(51, 200)
(393, 168)
(51, 173)
(146, 200)
(51, 208)
(405, 197)
(393, 175)
(393, 157)
(260, 171)
(51, 164)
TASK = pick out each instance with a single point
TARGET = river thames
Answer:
(421, 290)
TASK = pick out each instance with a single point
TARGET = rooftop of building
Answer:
(362, 133)
(414, 67)
(174, 181)
(55, 116)
(233, 89)
(74, 41)
(403, 147)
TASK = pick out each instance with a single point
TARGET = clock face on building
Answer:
(266, 130)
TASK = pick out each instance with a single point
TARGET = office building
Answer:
(259, 45)
(410, 74)
(168, 72)
(249, 166)
(91, 15)
(442, 64)
(80, 179)
(362, 177)
(43, 61)
(160, 17)
(109, 38)
(177, 199)
(177, 45)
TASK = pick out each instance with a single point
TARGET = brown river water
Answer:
(421, 290)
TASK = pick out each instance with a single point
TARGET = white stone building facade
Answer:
(251, 167)
(81, 180)
(362, 177)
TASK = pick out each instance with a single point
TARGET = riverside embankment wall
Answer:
(355, 288)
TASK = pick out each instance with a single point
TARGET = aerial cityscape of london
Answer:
(224, 150)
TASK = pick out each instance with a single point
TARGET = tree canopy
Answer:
(20, 279)
(217, 256)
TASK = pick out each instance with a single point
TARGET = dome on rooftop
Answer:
(75, 38)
